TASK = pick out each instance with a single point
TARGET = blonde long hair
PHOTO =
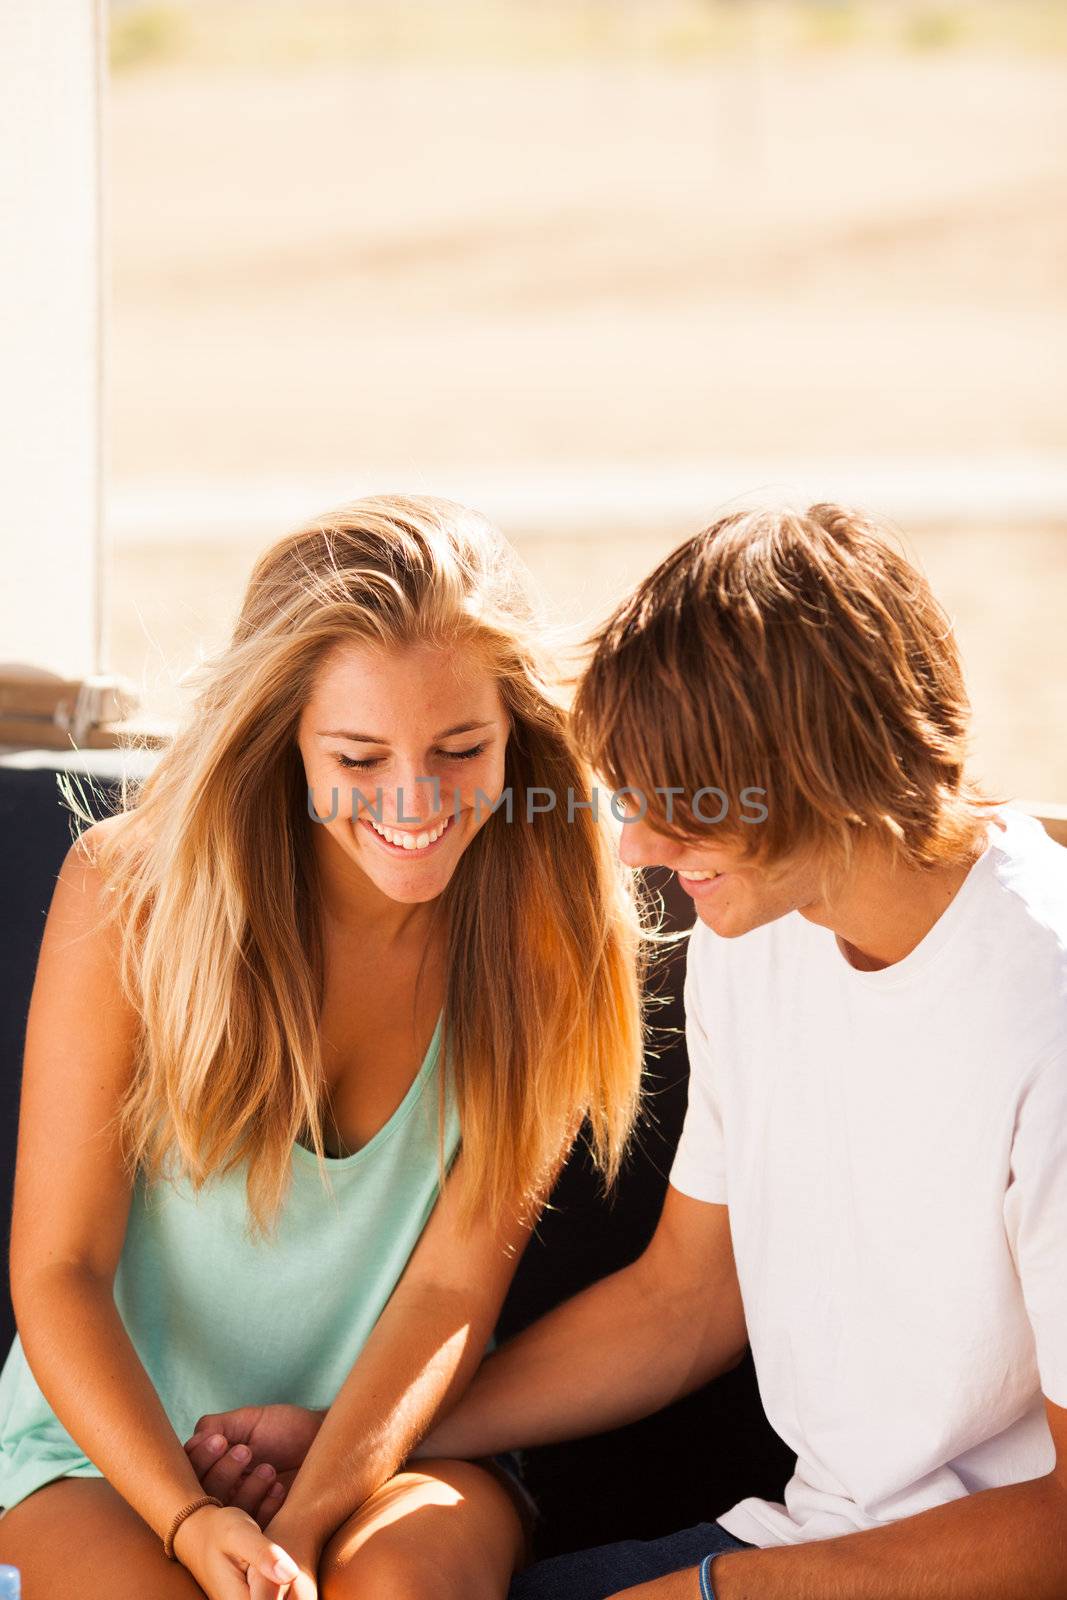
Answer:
(212, 878)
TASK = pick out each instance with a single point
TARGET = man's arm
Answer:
(996, 1544)
(621, 1349)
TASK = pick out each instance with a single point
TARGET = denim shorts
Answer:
(596, 1574)
(507, 1468)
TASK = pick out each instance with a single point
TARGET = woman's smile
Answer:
(407, 841)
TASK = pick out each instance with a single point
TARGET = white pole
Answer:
(51, 478)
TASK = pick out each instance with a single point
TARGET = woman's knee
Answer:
(402, 1574)
(78, 1536)
(449, 1533)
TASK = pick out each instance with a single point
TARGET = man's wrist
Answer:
(724, 1575)
(707, 1592)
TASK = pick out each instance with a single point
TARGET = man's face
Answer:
(731, 895)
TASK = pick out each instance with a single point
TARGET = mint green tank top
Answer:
(220, 1321)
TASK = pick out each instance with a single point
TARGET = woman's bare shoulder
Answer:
(93, 858)
(87, 845)
(83, 901)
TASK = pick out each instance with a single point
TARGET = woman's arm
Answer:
(621, 1349)
(626, 1346)
(72, 1198)
(420, 1356)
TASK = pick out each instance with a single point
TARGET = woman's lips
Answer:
(412, 852)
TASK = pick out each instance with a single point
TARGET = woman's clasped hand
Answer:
(248, 1458)
(231, 1558)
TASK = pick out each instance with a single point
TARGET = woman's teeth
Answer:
(409, 841)
(699, 877)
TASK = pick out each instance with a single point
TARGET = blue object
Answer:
(10, 1583)
(706, 1591)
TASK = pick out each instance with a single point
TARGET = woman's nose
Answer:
(415, 797)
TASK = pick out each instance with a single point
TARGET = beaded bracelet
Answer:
(706, 1591)
(186, 1511)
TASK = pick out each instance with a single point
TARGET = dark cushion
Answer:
(685, 1465)
(693, 1460)
(37, 830)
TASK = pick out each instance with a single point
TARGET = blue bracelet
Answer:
(706, 1591)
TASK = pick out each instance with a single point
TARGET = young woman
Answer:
(330, 937)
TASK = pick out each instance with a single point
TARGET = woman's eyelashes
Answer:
(365, 764)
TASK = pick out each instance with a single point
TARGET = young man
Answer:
(871, 1184)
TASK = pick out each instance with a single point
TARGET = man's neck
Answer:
(886, 908)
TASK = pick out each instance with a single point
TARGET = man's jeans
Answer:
(596, 1574)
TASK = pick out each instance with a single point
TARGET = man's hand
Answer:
(249, 1457)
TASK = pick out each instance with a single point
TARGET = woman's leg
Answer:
(446, 1531)
(78, 1536)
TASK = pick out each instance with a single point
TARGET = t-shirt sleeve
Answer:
(1035, 1210)
(699, 1167)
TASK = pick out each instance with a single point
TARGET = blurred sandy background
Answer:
(599, 268)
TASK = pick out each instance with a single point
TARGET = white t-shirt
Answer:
(892, 1147)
